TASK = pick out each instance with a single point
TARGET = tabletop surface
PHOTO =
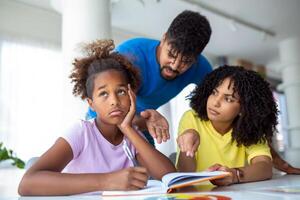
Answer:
(281, 186)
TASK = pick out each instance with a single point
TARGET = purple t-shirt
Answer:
(92, 153)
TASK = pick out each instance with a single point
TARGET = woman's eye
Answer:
(229, 100)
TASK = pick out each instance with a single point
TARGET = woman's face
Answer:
(110, 100)
(223, 104)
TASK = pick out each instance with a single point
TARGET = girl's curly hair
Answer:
(258, 118)
(100, 57)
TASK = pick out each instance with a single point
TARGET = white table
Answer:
(10, 178)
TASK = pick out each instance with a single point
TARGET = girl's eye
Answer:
(103, 94)
(122, 92)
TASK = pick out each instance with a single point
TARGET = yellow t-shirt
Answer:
(216, 148)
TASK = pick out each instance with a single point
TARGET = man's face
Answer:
(172, 63)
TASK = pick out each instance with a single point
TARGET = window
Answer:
(31, 92)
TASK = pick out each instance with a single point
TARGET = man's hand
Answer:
(188, 142)
(281, 164)
(157, 125)
(284, 166)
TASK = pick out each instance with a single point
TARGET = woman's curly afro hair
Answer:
(258, 118)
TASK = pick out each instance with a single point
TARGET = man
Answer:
(168, 66)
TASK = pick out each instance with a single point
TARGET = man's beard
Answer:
(168, 68)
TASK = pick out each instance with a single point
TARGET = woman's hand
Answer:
(132, 178)
(228, 180)
(157, 125)
(127, 122)
(189, 142)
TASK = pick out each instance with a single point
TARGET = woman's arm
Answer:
(188, 143)
(259, 169)
(186, 163)
(45, 177)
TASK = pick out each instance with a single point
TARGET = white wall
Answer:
(20, 20)
(24, 21)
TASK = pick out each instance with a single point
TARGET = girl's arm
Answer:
(45, 177)
(259, 169)
(155, 162)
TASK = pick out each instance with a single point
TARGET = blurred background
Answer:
(39, 39)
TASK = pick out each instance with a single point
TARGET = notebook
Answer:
(170, 182)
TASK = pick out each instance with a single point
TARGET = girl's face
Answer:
(223, 104)
(110, 100)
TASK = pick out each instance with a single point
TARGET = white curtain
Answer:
(31, 92)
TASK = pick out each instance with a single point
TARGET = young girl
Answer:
(90, 156)
(233, 116)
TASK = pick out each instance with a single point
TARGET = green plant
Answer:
(8, 154)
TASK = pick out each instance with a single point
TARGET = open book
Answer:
(170, 182)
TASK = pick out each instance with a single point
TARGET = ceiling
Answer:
(230, 38)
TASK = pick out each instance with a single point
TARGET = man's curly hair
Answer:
(189, 33)
(100, 58)
(258, 118)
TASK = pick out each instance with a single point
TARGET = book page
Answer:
(183, 178)
(153, 187)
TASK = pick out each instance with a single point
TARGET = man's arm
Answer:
(140, 122)
(155, 123)
(281, 164)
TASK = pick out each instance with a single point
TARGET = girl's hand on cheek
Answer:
(127, 122)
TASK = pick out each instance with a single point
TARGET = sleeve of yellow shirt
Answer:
(260, 149)
(187, 121)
